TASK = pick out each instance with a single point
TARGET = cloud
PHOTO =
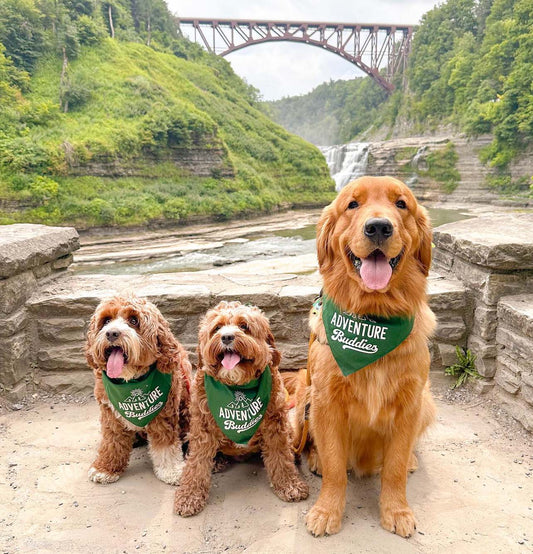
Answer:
(285, 69)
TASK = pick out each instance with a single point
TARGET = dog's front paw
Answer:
(103, 477)
(187, 503)
(169, 473)
(294, 491)
(320, 521)
(400, 521)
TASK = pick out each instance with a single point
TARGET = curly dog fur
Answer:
(370, 420)
(144, 336)
(254, 343)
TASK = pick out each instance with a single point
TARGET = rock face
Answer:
(493, 258)
(197, 161)
(407, 160)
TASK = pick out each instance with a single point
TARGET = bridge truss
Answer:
(379, 50)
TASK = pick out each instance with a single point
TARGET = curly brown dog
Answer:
(238, 405)
(142, 380)
(374, 253)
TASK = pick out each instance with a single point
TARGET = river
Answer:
(279, 243)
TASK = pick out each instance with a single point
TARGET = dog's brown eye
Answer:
(133, 321)
(353, 204)
(401, 204)
(243, 326)
(105, 321)
(217, 328)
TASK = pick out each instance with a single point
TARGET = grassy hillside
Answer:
(100, 143)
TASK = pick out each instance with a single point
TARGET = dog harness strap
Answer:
(139, 400)
(357, 341)
(239, 409)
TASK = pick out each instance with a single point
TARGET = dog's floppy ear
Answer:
(423, 254)
(325, 227)
(168, 352)
(91, 336)
(276, 354)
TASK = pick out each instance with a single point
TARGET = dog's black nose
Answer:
(227, 339)
(378, 229)
(112, 336)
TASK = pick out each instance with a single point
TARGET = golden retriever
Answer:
(374, 253)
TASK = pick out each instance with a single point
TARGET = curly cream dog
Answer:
(236, 348)
(129, 345)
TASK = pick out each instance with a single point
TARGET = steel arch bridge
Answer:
(377, 49)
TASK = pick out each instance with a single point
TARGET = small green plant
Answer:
(464, 368)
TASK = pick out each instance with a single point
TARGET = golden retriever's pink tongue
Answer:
(375, 271)
(115, 363)
(230, 360)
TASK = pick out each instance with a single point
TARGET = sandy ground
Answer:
(473, 493)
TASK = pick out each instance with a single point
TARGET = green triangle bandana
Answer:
(239, 409)
(357, 341)
(139, 400)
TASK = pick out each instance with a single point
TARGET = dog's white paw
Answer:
(102, 477)
(168, 463)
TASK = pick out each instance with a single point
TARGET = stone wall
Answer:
(45, 310)
(29, 256)
(62, 309)
(514, 360)
(493, 258)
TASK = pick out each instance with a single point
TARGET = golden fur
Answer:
(255, 344)
(145, 337)
(370, 420)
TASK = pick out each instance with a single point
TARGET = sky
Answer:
(281, 69)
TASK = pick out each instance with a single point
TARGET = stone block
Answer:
(527, 393)
(291, 327)
(501, 242)
(507, 379)
(13, 323)
(442, 260)
(293, 355)
(62, 329)
(262, 297)
(515, 345)
(446, 295)
(14, 359)
(177, 299)
(66, 357)
(499, 285)
(297, 299)
(42, 271)
(25, 246)
(63, 262)
(516, 407)
(517, 312)
(14, 291)
(447, 354)
(485, 322)
(481, 348)
(69, 382)
(486, 367)
(450, 329)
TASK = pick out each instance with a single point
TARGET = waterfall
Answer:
(346, 162)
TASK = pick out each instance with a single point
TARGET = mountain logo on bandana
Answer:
(241, 402)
